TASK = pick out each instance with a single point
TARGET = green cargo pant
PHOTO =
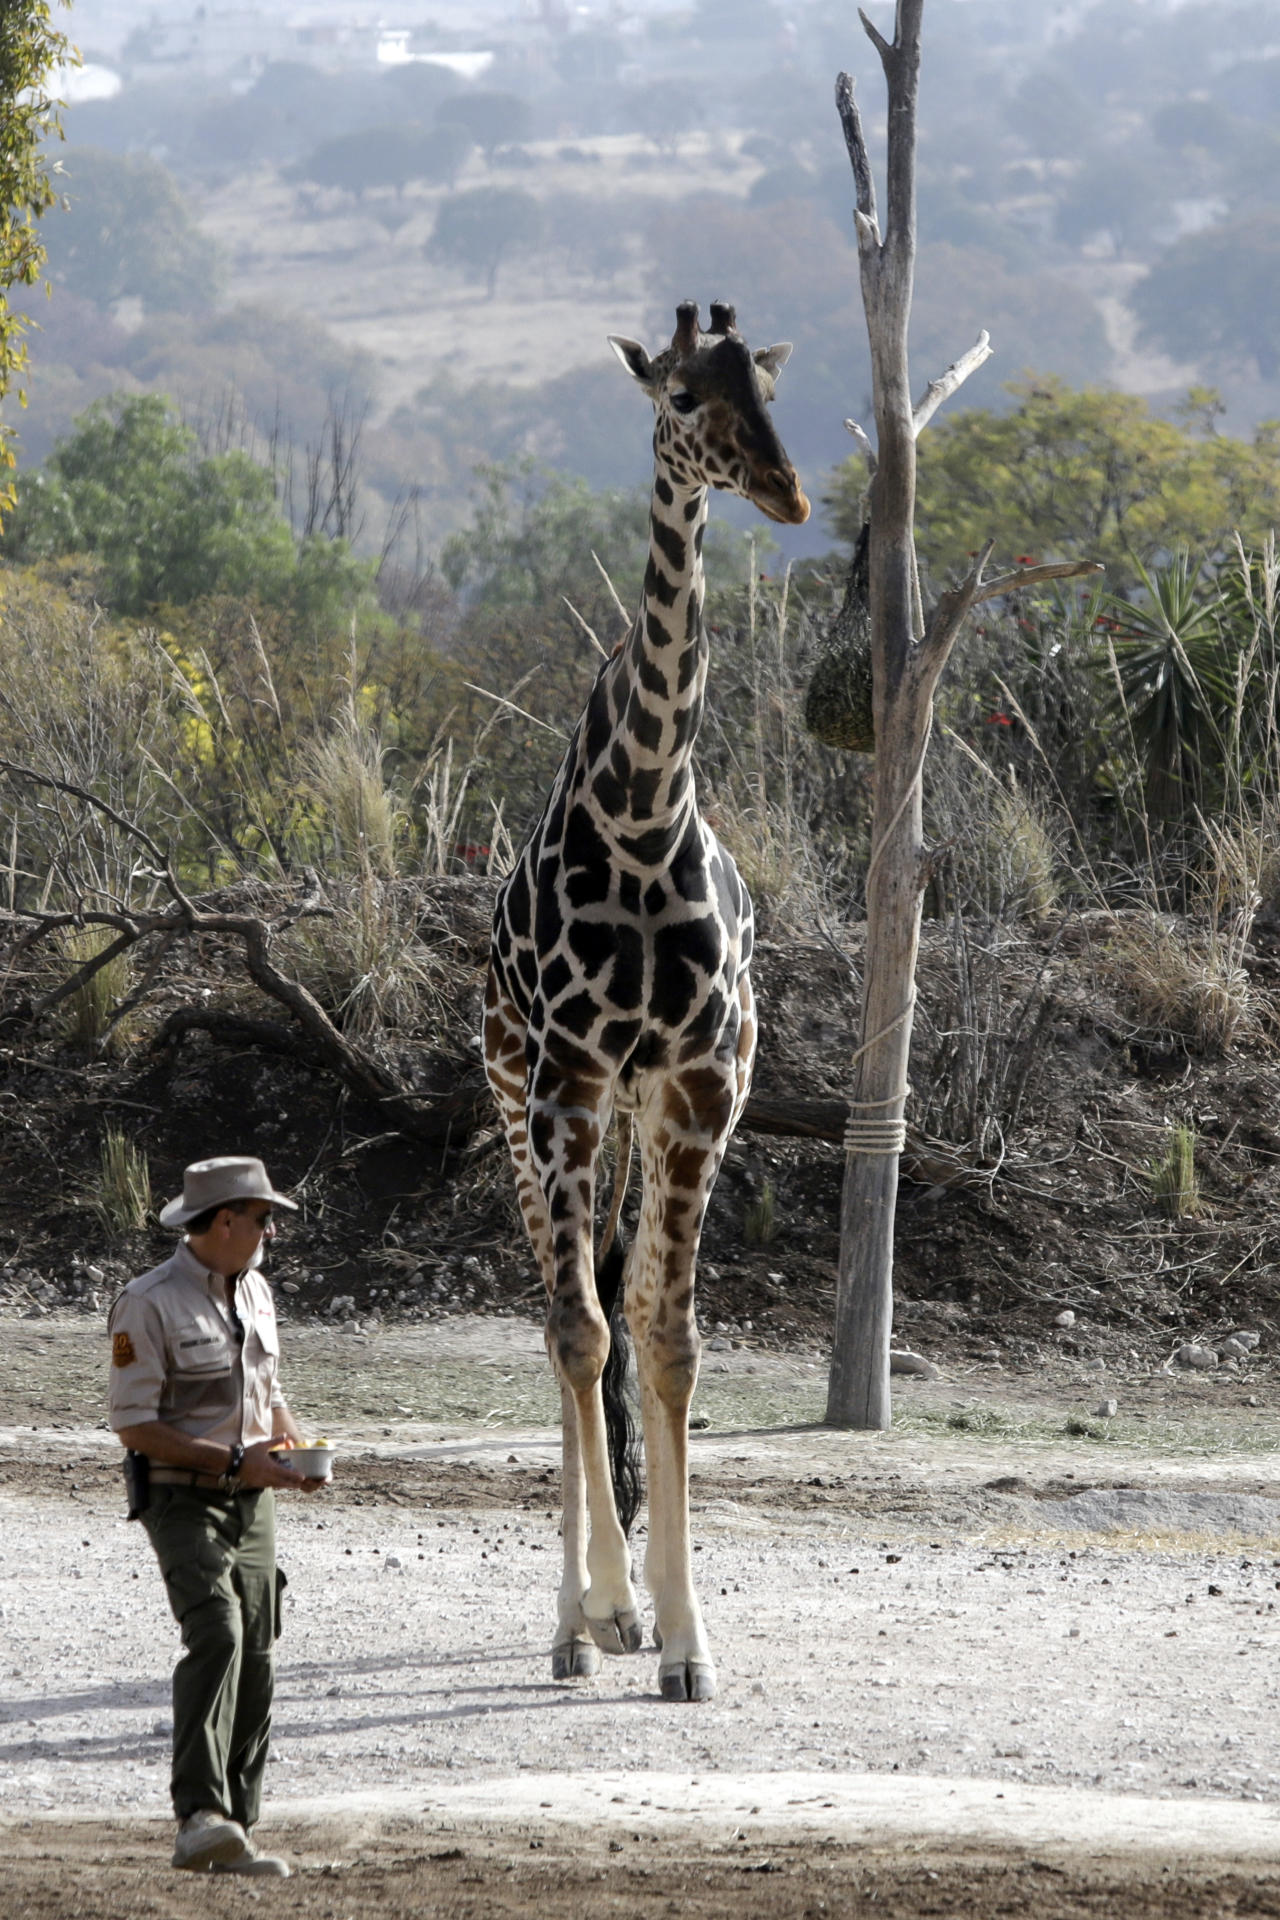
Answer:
(217, 1553)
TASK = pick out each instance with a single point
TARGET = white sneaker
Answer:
(208, 1839)
(254, 1861)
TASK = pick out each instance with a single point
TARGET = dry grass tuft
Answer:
(121, 1194)
(1183, 981)
(367, 965)
(86, 1013)
(341, 772)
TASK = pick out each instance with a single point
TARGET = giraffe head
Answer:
(711, 395)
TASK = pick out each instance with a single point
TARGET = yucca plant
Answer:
(1172, 658)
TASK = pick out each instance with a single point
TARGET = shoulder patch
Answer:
(122, 1350)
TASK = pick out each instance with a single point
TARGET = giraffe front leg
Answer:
(578, 1337)
(668, 1366)
(678, 1175)
(574, 1655)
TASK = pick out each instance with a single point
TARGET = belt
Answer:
(182, 1477)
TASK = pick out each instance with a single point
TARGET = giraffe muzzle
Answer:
(779, 495)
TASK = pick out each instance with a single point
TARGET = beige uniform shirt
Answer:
(177, 1356)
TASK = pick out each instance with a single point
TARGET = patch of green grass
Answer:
(1206, 1435)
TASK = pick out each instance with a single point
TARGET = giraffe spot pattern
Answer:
(621, 937)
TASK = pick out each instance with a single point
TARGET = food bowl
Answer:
(313, 1463)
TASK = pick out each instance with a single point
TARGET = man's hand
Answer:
(263, 1468)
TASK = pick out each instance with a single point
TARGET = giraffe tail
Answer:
(620, 1428)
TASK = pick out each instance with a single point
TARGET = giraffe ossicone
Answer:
(619, 985)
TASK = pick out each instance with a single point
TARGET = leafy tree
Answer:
(1088, 474)
(126, 232)
(29, 49)
(479, 229)
(418, 88)
(492, 119)
(1214, 294)
(166, 525)
(386, 157)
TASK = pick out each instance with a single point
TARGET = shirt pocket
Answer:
(201, 1349)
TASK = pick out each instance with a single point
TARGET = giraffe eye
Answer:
(684, 401)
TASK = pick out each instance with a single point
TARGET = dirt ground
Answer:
(1010, 1657)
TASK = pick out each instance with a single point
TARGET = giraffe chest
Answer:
(621, 959)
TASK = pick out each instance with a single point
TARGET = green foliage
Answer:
(389, 156)
(1174, 682)
(532, 538)
(1214, 294)
(479, 229)
(760, 1221)
(29, 49)
(1089, 474)
(126, 232)
(492, 119)
(166, 525)
(1175, 1185)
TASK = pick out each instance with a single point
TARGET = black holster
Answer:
(137, 1483)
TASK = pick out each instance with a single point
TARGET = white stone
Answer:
(1200, 1358)
(901, 1361)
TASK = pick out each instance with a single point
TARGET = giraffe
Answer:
(618, 983)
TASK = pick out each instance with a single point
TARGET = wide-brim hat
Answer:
(217, 1183)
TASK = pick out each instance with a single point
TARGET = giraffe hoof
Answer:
(574, 1660)
(691, 1680)
(621, 1633)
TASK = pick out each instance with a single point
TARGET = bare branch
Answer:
(855, 142)
(946, 383)
(865, 447)
(126, 825)
(877, 39)
(143, 987)
(952, 606)
(1032, 576)
(868, 231)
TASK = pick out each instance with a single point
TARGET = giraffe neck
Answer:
(652, 691)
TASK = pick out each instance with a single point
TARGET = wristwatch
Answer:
(231, 1478)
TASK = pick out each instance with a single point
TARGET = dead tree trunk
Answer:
(908, 655)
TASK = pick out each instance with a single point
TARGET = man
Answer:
(194, 1353)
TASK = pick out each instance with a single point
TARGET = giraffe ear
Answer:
(773, 359)
(634, 358)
